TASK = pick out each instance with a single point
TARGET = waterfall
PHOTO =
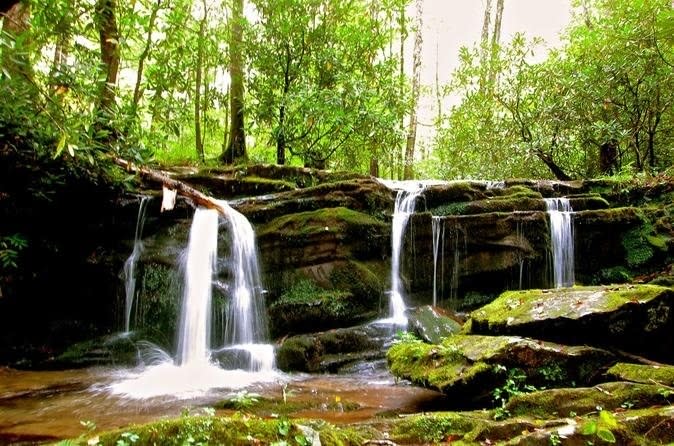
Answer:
(246, 322)
(404, 208)
(195, 369)
(438, 229)
(130, 264)
(199, 266)
(561, 238)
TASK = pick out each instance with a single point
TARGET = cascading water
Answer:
(195, 316)
(404, 208)
(561, 237)
(130, 264)
(192, 372)
(438, 229)
(246, 322)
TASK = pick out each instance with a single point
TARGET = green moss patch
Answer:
(518, 307)
(662, 375)
(236, 430)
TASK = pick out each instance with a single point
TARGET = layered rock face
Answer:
(325, 245)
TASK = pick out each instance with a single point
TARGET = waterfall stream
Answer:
(130, 264)
(404, 208)
(193, 371)
(561, 238)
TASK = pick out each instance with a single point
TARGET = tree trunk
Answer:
(236, 147)
(281, 137)
(416, 85)
(16, 21)
(145, 54)
(110, 54)
(495, 42)
(484, 42)
(557, 171)
(374, 166)
(198, 141)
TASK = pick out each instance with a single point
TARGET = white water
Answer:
(561, 237)
(438, 228)
(199, 267)
(192, 373)
(130, 264)
(404, 208)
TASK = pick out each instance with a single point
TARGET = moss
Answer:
(640, 373)
(555, 403)
(514, 307)
(235, 430)
(450, 209)
(336, 220)
(357, 278)
(434, 428)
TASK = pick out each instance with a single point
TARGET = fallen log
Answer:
(197, 197)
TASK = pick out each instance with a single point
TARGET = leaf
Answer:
(589, 428)
(606, 435)
(71, 150)
(607, 419)
(60, 145)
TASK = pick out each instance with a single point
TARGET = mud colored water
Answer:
(47, 406)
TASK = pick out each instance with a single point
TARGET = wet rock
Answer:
(468, 368)
(569, 402)
(662, 375)
(119, 349)
(333, 350)
(635, 318)
(431, 324)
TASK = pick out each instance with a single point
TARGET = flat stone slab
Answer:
(634, 318)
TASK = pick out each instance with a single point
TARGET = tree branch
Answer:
(197, 197)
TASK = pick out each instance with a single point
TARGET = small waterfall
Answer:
(194, 328)
(561, 238)
(438, 228)
(130, 264)
(404, 208)
(194, 371)
(246, 322)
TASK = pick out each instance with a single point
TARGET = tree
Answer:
(106, 22)
(416, 86)
(236, 146)
(320, 77)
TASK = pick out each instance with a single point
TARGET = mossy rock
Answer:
(636, 318)
(306, 308)
(662, 375)
(332, 350)
(569, 402)
(235, 430)
(468, 368)
(322, 236)
(431, 324)
(119, 350)
(361, 194)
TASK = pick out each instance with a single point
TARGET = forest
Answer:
(240, 222)
(322, 83)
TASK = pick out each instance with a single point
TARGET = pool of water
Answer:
(41, 406)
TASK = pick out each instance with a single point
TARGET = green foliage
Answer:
(515, 384)
(242, 400)
(601, 427)
(608, 87)
(10, 247)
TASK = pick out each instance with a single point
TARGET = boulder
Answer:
(468, 368)
(635, 318)
(569, 402)
(333, 350)
(431, 324)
